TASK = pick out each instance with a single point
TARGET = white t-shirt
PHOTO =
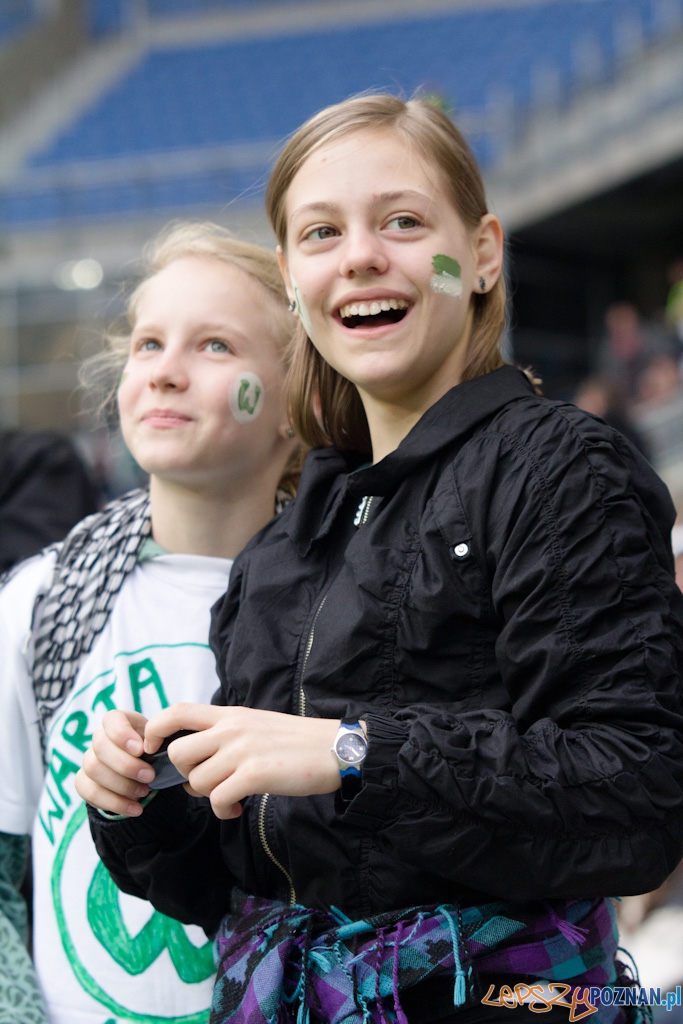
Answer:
(104, 957)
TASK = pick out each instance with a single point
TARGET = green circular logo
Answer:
(133, 951)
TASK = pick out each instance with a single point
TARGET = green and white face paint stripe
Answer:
(246, 397)
(303, 310)
(446, 279)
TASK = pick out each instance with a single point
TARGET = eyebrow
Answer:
(206, 327)
(379, 200)
(225, 332)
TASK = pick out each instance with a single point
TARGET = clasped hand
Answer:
(234, 752)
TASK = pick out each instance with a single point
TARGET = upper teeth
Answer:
(372, 308)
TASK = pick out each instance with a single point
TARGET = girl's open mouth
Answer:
(376, 313)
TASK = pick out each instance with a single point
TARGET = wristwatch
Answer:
(350, 748)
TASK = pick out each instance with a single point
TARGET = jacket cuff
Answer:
(110, 816)
(376, 802)
(161, 817)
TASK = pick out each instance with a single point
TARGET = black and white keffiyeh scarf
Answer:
(92, 565)
(70, 612)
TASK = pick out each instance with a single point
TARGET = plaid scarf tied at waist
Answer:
(279, 963)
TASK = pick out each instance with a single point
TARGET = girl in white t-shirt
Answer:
(118, 616)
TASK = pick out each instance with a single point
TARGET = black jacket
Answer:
(506, 620)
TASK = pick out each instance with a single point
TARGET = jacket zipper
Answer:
(309, 646)
(264, 799)
(360, 519)
(363, 512)
(266, 846)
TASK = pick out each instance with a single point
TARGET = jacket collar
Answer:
(329, 475)
(450, 420)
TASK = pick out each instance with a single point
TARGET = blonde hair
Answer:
(101, 374)
(324, 406)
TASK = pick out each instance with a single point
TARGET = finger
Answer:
(225, 799)
(190, 791)
(195, 717)
(109, 754)
(106, 778)
(200, 755)
(202, 780)
(103, 799)
(126, 730)
(226, 812)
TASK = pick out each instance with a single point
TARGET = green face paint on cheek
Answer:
(303, 311)
(246, 397)
(446, 278)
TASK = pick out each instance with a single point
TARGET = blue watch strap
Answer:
(351, 775)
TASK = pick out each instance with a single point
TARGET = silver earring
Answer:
(290, 432)
(482, 284)
(292, 306)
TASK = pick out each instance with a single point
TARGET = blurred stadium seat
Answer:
(167, 108)
(106, 16)
(225, 94)
(16, 15)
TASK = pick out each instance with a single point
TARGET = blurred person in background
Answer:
(651, 931)
(677, 540)
(118, 615)
(627, 347)
(651, 925)
(657, 410)
(674, 302)
(600, 398)
(659, 381)
(44, 490)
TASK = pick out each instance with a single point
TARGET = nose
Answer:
(363, 254)
(169, 371)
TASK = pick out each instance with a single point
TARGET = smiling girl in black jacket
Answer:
(450, 721)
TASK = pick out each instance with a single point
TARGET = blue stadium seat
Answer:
(260, 89)
(15, 16)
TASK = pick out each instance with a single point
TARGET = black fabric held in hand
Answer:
(167, 774)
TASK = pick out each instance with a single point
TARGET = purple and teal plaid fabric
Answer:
(279, 964)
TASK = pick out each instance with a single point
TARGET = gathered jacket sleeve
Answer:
(578, 788)
(170, 855)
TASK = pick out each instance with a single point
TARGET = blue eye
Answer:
(149, 345)
(216, 345)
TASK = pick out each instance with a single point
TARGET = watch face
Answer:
(351, 747)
